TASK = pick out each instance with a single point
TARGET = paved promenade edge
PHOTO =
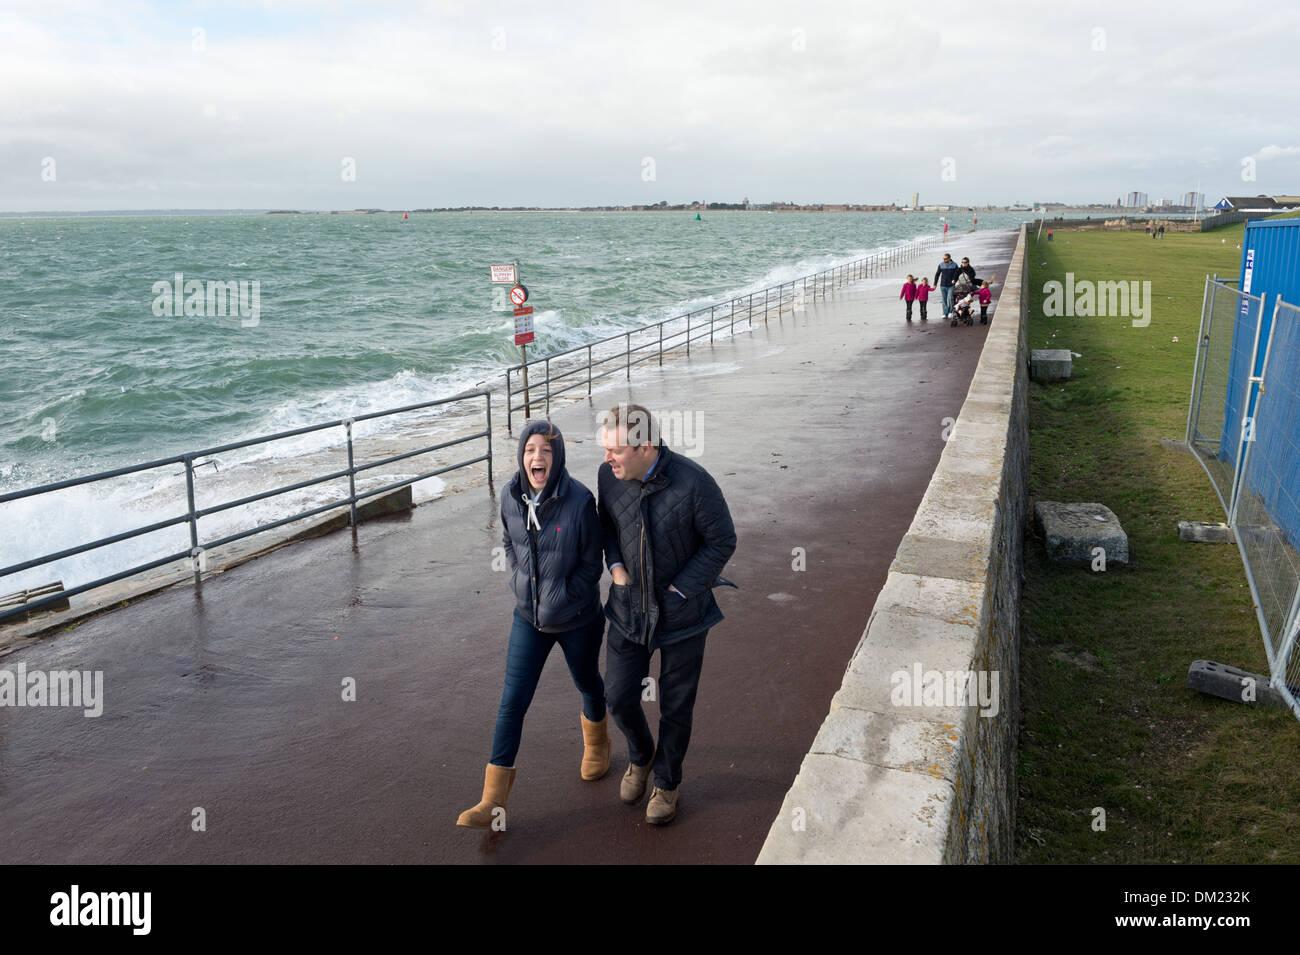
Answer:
(900, 776)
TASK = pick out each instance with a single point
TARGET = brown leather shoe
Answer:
(595, 755)
(497, 782)
(633, 786)
(662, 808)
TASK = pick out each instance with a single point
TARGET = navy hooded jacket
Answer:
(555, 570)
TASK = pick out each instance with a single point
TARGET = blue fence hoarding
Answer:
(1270, 268)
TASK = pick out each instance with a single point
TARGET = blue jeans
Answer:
(945, 292)
(526, 656)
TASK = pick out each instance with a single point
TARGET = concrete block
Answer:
(393, 502)
(1049, 364)
(1229, 683)
(1202, 533)
(1073, 531)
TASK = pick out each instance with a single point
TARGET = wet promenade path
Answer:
(822, 429)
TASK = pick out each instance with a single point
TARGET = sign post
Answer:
(509, 275)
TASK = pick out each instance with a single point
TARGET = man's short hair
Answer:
(634, 420)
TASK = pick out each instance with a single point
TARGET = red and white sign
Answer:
(523, 325)
(503, 274)
(519, 295)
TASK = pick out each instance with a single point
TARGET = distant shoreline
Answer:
(1055, 212)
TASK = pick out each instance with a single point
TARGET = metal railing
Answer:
(192, 514)
(581, 366)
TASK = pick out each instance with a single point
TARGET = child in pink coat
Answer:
(985, 295)
(923, 294)
(909, 294)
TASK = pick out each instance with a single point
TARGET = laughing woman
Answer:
(552, 538)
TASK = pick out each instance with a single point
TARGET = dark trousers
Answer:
(909, 311)
(627, 664)
(526, 656)
(984, 314)
(922, 304)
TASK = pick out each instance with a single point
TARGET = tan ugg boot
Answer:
(595, 754)
(497, 782)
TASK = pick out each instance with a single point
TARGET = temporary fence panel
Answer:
(1219, 394)
(1267, 519)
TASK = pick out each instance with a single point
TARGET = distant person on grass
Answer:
(552, 538)
(668, 534)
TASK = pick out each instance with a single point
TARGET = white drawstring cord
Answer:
(532, 521)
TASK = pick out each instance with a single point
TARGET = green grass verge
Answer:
(1107, 719)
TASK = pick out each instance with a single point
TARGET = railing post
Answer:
(548, 387)
(751, 310)
(352, 477)
(510, 423)
(710, 324)
(733, 317)
(487, 395)
(688, 334)
(765, 291)
(661, 344)
(629, 356)
(194, 523)
(588, 371)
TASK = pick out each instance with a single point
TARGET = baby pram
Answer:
(963, 301)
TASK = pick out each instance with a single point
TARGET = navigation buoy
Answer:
(403, 215)
(697, 217)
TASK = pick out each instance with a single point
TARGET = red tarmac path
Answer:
(822, 429)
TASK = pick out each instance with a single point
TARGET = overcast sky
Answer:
(272, 104)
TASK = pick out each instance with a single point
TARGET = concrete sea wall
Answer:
(915, 762)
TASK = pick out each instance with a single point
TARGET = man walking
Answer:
(944, 277)
(667, 535)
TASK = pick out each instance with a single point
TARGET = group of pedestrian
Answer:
(1156, 231)
(959, 291)
(661, 524)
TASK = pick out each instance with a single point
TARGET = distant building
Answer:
(1136, 200)
(916, 201)
(1257, 203)
(1194, 200)
(936, 208)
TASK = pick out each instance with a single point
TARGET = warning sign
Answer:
(519, 295)
(503, 274)
(524, 325)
